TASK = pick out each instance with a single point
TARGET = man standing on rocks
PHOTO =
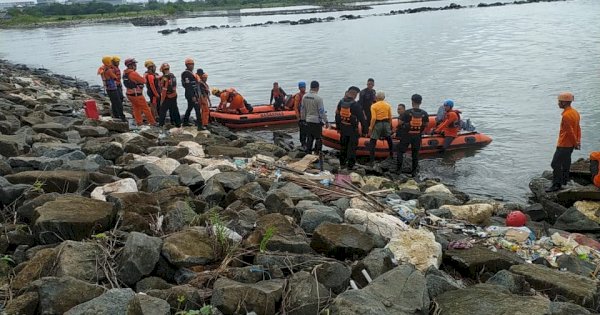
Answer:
(313, 113)
(190, 84)
(297, 98)
(381, 124)
(569, 138)
(168, 97)
(109, 79)
(414, 121)
(135, 93)
(116, 61)
(152, 86)
(347, 117)
(367, 98)
(204, 91)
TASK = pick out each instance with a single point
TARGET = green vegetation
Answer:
(65, 13)
(271, 230)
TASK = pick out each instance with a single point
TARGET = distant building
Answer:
(17, 4)
(113, 2)
(46, 1)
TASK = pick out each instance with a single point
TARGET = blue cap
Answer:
(449, 103)
(301, 84)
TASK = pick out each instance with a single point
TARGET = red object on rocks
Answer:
(516, 219)
(91, 111)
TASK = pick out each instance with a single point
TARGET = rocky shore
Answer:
(101, 219)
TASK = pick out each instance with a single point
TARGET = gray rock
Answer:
(152, 283)
(58, 295)
(442, 213)
(473, 260)
(91, 131)
(489, 299)
(515, 283)
(73, 156)
(188, 176)
(342, 204)
(71, 218)
(261, 297)
(439, 282)
(294, 191)
(190, 295)
(304, 294)
(401, 290)
(341, 241)
(536, 212)
(213, 193)
(108, 150)
(554, 283)
(409, 194)
(575, 265)
(10, 146)
(188, 248)
(287, 237)
(249, 274)
(575, 221)
(114, 301)
(334, 276)
(139, 202)
(279, 202)
(10, 193)
(159, 182)
(115, 126)
(221, 150)
(140, 255)
(565, 308)
(143, 304)
(568, 196)
(79, 260)
(250, 194)
(436, 200)
(232, 180)
(179, 214)
(52, 181)
(378, 262)
(49, 128)
(264, 148)
(135, 139)
(35, 163)
(24, 304)
(53, 149)
(313, 217)
(5, 168)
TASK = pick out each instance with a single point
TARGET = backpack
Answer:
(415, 125)
(345, 112)
(594, 168)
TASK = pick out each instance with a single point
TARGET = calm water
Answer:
(503, 67)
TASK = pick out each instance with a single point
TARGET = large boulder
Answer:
(232, 180)
(515, 283)
(188, 175)
(36, 163)
(304, 294)
(52, 181)
(417, 247)
(143, 304)
(279, 202)
(79, 260)
(314, 216)
(473, 260)
(40, 265)
(474, 213)
(24, 304)
(91, 131)
(575, 221)
(341, 241)
(58, 295)
(221, 150)
(182, 297)
(213, 192)
(71, 218)
(377, 223)
(554, 283)
(159, 182)
(53, 149)
(294, 191)
(188, 248)
(125, 185)
(12, 145)
(286, 235)
(114, 301)
(50, 128)
(140, 254)
(139, 202)
(439, 282)
(334, 276)
(378, 262)
(490, 299)
(108, 150)
(261, 297)
(250, 194)
(401, 290)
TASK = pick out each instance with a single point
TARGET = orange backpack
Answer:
(594, 168)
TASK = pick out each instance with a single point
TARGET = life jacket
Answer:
(204, 88)
(109, 83)
(415, 125)
(276, 93)
(457, 123)
(117, 72)
(152, 80)
(133, 88)
(595, 168)
(170, 82)
(345, 112)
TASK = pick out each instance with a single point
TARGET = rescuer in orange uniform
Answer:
(569, 138)
(116, 60)
(109, 81)
(135, 88)
(450, 126)
(237, 103)
(168, 97)
(152, 87)
(204, 97)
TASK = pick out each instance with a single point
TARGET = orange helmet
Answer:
(164, 66)
(566, 97)
(189, 61)
(130, 61)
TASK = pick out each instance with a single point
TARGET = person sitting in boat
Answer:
(450, 126)
(232, 101)
(277, 94)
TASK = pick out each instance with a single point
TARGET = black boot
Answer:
(554, 187)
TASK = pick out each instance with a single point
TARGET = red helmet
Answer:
(516, 219)
(130, 61)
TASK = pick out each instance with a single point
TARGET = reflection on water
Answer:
(503, 66)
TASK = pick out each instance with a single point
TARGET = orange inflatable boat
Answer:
(429, 144)
(261, 116)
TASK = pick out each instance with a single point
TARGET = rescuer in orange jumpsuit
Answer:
(135, 88)
(237, 103)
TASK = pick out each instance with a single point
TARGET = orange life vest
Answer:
(415, 125)
(133, 88)
(595, 168)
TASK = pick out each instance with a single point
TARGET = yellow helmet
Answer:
(106, 60)
(116, 58)
(149, 63)
(566, 97)
(215, 91)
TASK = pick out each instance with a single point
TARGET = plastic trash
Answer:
(405, 213)
(277, 175)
